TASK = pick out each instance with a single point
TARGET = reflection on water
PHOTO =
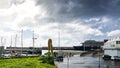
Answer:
(87, 62)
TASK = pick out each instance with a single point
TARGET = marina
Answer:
(87, 62)
(59, 33)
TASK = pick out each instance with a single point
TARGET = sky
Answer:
(74, 21)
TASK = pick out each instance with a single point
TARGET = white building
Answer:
(112, 48)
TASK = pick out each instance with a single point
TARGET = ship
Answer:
(112, 48)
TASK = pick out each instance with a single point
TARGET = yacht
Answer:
(112, 48)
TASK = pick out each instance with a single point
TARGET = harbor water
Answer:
(87, 62)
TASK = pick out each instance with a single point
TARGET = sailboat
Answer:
(59, 57)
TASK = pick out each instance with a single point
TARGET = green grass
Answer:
(28, 62)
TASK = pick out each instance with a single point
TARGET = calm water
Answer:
(45, 51)
(87, 62)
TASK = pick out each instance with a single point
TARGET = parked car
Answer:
(106, 57)
(115, 58)
(59, 58)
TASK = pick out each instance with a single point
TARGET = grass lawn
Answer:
(29, 62)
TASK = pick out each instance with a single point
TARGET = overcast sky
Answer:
(76, 20)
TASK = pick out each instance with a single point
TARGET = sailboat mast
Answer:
(59, 39)
(21, 41)
(15, 40)
(34, 38)
(33, 42)
(11, 46)
(1, 41)
(11, 42)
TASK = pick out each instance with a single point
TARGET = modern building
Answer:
(90, 45)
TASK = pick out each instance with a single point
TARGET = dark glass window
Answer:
(117, 42)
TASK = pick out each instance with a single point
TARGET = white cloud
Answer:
(4, 4)
(17, 14)
(22, 16)
(93, 19)
(95, 32)
(84, 29)
(114, 33)
(69, 33)
(106, 20)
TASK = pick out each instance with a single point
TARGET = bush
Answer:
(47, 58)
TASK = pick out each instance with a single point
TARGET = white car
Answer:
(115, 58)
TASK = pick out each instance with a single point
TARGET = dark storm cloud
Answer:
(81, 8)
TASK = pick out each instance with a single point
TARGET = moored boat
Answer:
(112, 48)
